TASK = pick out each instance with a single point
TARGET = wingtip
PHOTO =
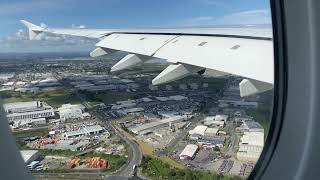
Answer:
(34, 30)
(31, 26)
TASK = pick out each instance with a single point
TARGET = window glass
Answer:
(172, 89)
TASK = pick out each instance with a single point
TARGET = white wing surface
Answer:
(246, 52)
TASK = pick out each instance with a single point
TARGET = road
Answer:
(134, 154)
(234, 140)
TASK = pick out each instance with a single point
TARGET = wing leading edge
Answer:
(217, 51)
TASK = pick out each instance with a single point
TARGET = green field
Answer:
(58, 152)
(112, 97)
(30, 133)
(157, 169)
(53, 98)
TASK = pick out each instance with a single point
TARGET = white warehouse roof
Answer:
(198, 130)
(211, 131)
(189, 151)
(84, 131)
(19, 105)
(253, 138)
(154, 124)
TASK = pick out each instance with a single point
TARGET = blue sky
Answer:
(127, 14)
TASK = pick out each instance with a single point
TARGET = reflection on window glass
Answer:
(152, 101)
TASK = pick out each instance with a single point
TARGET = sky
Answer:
(117, 14)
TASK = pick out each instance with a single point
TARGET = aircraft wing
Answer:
(246, 52)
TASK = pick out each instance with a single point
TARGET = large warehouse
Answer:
(198, 130)
(189, 151)
(69, 111)
(28, 110)
(251, 126)
(23, 106)
(148, 126)
(89, 130)
(250, 146)
(217, 120)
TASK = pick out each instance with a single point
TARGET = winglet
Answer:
(34, 30)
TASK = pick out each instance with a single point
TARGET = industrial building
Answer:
(89, 130)
(198, 130)
(29, 155)
(211, 142)
(250, 126)
(69, 111)
(189, 151)
(23, 122)
(250, 146)
(210, 132)
(67, 144)
(140, 129)
(28, 110)
(217, 120)
(24, 106)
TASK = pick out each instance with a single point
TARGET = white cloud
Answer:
(19, 42)
(259, 16)
(78, 26)
(197, 21)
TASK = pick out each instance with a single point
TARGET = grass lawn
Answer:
(16, 99)
(146, 148)
(57, 98)
(171, 162)
(57, 152)
(53, 98)
(149, 151)
(157, 169)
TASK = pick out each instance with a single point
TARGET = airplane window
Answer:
(89, 103)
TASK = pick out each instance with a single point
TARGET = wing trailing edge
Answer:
(210, 52)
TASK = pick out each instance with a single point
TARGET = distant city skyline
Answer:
(117, 14)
